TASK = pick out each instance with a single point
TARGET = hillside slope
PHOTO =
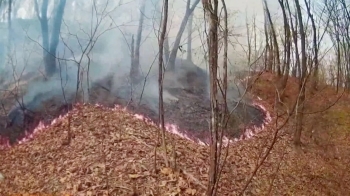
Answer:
(112, 152)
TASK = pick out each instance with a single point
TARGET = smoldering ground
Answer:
(101, 60)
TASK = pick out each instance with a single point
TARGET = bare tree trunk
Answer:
(9, 25)
(42, 16)
(339, 66)
(268, 62)
(189, 39)
(345, 15)
(295, 40)
(166, 49)
(211, 10)
(135, 67)
(50, 46)
(160, 77)
(249, 42)
(274, 40)
(132, 56)
(287, 48)
(297, 54)
(314, 80)
(173, 53)
(225, 114)
(51, 61)
(301, 98)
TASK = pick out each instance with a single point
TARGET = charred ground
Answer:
(113, 152)
(186, 104)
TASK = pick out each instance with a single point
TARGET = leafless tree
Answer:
(287, 48)
(275, 52)
(211, 12)
(135, 65)
(50, 41)
(188, 13)
(303, 76)
(160, 76)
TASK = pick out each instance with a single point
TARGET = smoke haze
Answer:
(98, 39)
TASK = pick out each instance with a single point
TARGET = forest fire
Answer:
(201, 138)
(186, 108)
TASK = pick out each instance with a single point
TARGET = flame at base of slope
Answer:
(248, 132)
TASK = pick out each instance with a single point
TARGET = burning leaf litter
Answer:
(113, 152)
(172, 128)
(116, 133)
(111, 148)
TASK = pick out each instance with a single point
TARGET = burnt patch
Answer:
(21, 121)
(190, 111)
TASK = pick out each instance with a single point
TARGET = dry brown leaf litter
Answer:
(113, 153)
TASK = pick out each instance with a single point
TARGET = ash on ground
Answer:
(186, 104)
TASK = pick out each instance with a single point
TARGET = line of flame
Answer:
(249, 132)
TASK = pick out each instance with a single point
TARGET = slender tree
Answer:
(287, 47)
(211, 10)
(160, 76)
(302, 80)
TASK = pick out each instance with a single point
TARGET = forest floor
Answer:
(112, 152)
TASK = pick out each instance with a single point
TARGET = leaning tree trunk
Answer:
(274, 40)
(173, 53)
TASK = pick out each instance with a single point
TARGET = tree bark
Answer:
(9, 25)
(314, 79)
(302, 80)
(287, 47)
(189, 39)
(295, 40)
(160, 77)
(166, 49)
(135, 68)
(132, 55)
(274, 40)
(42, 16)
(268, 51)
(211, 10)
(50, 45)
